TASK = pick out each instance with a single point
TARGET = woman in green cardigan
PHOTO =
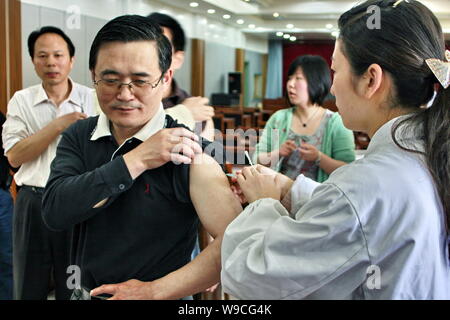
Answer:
(306, 138)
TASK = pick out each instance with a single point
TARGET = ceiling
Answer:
(303, 19)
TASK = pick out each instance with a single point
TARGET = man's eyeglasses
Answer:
(135, 86)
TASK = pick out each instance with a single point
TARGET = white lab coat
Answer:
(374, 230)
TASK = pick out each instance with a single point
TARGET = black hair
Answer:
(410, 33)
(32, 38)
(317, 74)
(130, 28)
(178, 36)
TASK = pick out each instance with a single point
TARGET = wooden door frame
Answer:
(10, 50)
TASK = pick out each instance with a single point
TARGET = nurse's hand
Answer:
(282, 181)
(257, 183)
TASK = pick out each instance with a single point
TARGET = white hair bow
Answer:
(441, 69)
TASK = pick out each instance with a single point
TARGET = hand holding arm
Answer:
(175, 144)
(199, 108)
(256, 185)
(216, 207)
(33, 146)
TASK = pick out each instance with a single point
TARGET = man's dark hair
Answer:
(32, 38)
(317, 74)
(131, 28)
(178, 36)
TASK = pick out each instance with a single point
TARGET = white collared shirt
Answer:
(156, 123)
(374, 230)
(29, 111)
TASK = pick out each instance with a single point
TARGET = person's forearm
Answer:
(197, 276)
(70, 198)
(328, 164)
(72, 192)
(33, 146)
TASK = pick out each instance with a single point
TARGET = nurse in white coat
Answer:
(378, 227)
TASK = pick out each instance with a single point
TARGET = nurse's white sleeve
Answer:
(321, 254)
(301, 191)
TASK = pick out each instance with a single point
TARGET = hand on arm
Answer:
(257, 185)
(199, 108)
(216, 207)
(32, 147)
(281, 182)
(175, 144)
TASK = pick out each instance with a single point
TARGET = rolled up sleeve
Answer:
(14, 128)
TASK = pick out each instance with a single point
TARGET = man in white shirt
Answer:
(36, 117)
(193, 112)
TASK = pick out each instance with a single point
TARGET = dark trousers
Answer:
(38, 253)
(6, 270)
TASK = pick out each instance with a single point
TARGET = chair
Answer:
(275, 104)
(330, 105)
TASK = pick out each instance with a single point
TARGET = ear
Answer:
(372, 80)
(92, 75)
(167, 78)
(177, 60)
(72, 61)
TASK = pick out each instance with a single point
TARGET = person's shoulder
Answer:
(281, 116)
(27, 92)
(335, 121)
(82, 88)
(173, 123)
(83, 127)
(332, 116)
(283, 112)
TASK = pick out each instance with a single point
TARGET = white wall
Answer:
(219, 60)
(93, 14)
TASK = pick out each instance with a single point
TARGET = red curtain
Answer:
(293, 50)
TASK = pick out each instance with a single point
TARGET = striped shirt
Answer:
(29, 111)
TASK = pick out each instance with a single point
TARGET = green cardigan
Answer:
(338, 142)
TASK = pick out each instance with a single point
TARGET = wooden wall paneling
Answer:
(10, 50)
(10, 55)
(240, 67)
(15, 47)
(198, 68)
(3, 58)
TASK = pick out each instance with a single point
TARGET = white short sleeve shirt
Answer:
(29, 111)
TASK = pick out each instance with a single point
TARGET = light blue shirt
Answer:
(374, 230)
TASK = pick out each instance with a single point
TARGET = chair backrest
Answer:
(275, 104)
(330, 104)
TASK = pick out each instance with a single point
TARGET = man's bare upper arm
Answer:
(211, 195)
